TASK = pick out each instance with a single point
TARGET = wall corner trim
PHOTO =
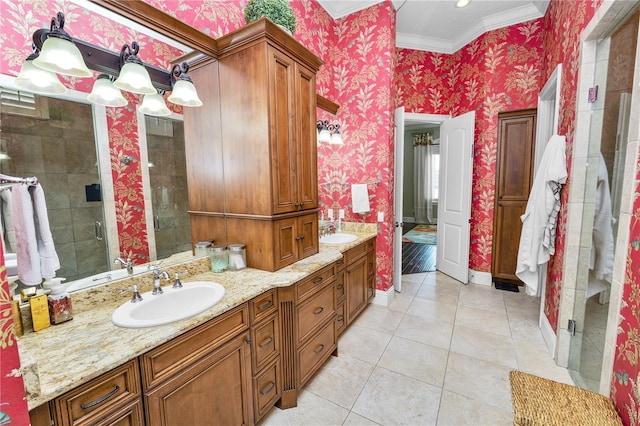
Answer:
(384, 297)
(481, 278)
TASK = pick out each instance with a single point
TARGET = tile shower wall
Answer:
(168, 179)
(58, 147)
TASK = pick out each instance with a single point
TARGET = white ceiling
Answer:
(438, 25)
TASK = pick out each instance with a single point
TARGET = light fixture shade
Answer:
(336, 138)
(324, 136)
(37, 80)
(184, 93)
(462, 3)
(105, 93)
(62, 56)
(134, 78)
(154, 105)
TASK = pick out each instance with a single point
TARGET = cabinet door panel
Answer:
(282, 132)
(215, 390)
(357, 293)
(309, 231)
(265, 342)
(286, 245)
(306, 138)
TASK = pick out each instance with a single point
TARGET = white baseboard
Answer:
(384, 298)
(481, 278)
(548, 334)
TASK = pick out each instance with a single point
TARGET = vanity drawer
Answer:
(314, 353)
(354, 253)
(166, 360)
(340, 289)
(263, 306)
(314, 313)
(266, 342)
(267, 389)
(313, 283)
(110, 396)
(341, 322)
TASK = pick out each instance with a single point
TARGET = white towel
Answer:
(37, 257)
(26, 244)
(360, 198)
(49, 262)
(8, 230)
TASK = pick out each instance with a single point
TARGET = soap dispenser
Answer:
(59, 301)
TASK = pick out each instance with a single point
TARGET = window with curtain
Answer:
(426, 169)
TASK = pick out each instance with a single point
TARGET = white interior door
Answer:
(454, 205)
(398, 171)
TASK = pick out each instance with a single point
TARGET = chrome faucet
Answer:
(126, 263)
(136, 294)
(157, 274)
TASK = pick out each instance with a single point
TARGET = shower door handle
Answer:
(156, 223)
(98, 227)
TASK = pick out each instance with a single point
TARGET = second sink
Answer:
(174, 305)
(338, 238)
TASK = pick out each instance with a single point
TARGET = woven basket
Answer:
(539, 401)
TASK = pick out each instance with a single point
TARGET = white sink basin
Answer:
(173, 305)
(338, 238)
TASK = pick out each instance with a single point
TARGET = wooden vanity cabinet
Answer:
(355, 283)
(112, 398)
(202, 377)
(265, 352)
(266, 103)
(307, 317)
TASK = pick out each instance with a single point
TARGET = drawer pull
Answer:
(101, 399)
(318, 280)
(318, 310)
(265, 305)
(340, 287)
(266, 342)
(320, 349)
(340, 318)
(340, 262)
(268, 389)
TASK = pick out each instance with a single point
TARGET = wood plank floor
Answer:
(418, 258)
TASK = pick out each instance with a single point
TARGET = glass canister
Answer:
(237, 257)
(219, 258)
(203, 247)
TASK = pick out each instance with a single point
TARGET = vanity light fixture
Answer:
(59, 53)
(329, 133)
(184, 92)
(133, 76)
(37, 80)
(462, 3)
(153, 104)
(105, 93)
(323, 131)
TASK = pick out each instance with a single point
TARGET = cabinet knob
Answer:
(319, 349)
(248, 340)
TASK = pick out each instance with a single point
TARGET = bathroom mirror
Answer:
(112, 222)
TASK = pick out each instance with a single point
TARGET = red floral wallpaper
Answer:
(13, 403)
(499, 71)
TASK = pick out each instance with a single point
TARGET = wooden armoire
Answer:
(514, 178)
(252, 150)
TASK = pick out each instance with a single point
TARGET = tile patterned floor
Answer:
(440, 354)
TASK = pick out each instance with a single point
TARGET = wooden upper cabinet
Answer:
(268, 112)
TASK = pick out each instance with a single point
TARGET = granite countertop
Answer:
(62, 357)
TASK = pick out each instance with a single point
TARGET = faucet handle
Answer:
(136, 294)
(177, 283)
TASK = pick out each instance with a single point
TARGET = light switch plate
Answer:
(380, 216)
(341, 214)
(330, 214)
